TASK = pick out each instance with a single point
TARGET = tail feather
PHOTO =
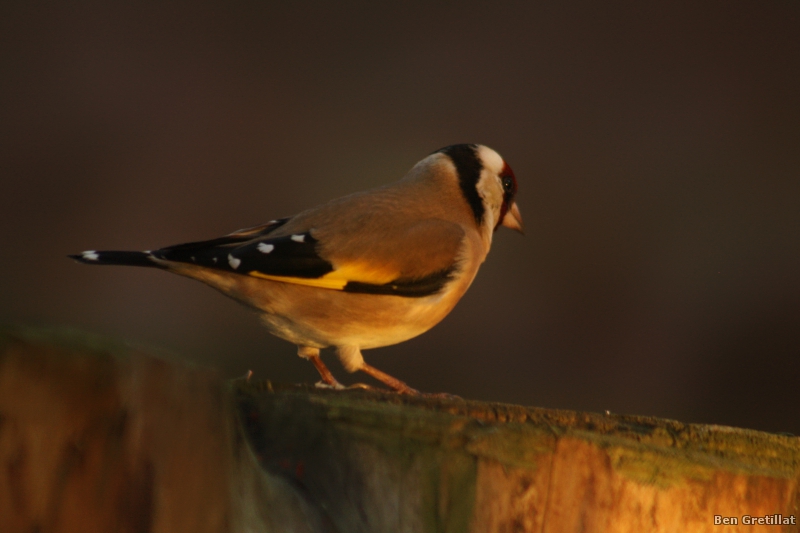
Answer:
(93, 257)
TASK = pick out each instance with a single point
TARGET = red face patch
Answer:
(509, 182)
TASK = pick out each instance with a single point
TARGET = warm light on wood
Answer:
(99, 437)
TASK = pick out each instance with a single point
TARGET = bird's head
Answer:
(488, 185)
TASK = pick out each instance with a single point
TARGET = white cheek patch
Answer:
(265, 248)
(234, 262)
(491, 192)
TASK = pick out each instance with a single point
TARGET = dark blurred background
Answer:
(657, 148)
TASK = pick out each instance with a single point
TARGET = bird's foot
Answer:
(362, 386)
(440, 395)
(332, 386)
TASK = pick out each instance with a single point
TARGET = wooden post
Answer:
(97, 436)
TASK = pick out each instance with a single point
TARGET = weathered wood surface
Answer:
(102, 437)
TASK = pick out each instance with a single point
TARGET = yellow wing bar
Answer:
(336, 284)
(337, 279)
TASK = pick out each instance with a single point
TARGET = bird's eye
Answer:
(508, 183)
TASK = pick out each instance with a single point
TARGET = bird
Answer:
(367, 270)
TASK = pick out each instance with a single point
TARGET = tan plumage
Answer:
(367, 270)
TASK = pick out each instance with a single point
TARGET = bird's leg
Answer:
(327, 377)
(352, 360)
(383, 377)
(312, 354)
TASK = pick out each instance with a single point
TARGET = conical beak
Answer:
(513, 219)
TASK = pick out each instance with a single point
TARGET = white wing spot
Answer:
(299, 238)
(265, 248)
(234, 262)
(90, 255)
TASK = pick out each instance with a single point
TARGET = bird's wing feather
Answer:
(414, 261)
(184, 252)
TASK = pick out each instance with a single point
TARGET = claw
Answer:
(332, 386)
(362, 386)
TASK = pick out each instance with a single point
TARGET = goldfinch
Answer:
(367, 270)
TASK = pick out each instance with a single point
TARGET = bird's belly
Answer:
(312, 316)
(323, 318)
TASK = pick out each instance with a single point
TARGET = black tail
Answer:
(92, 257)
